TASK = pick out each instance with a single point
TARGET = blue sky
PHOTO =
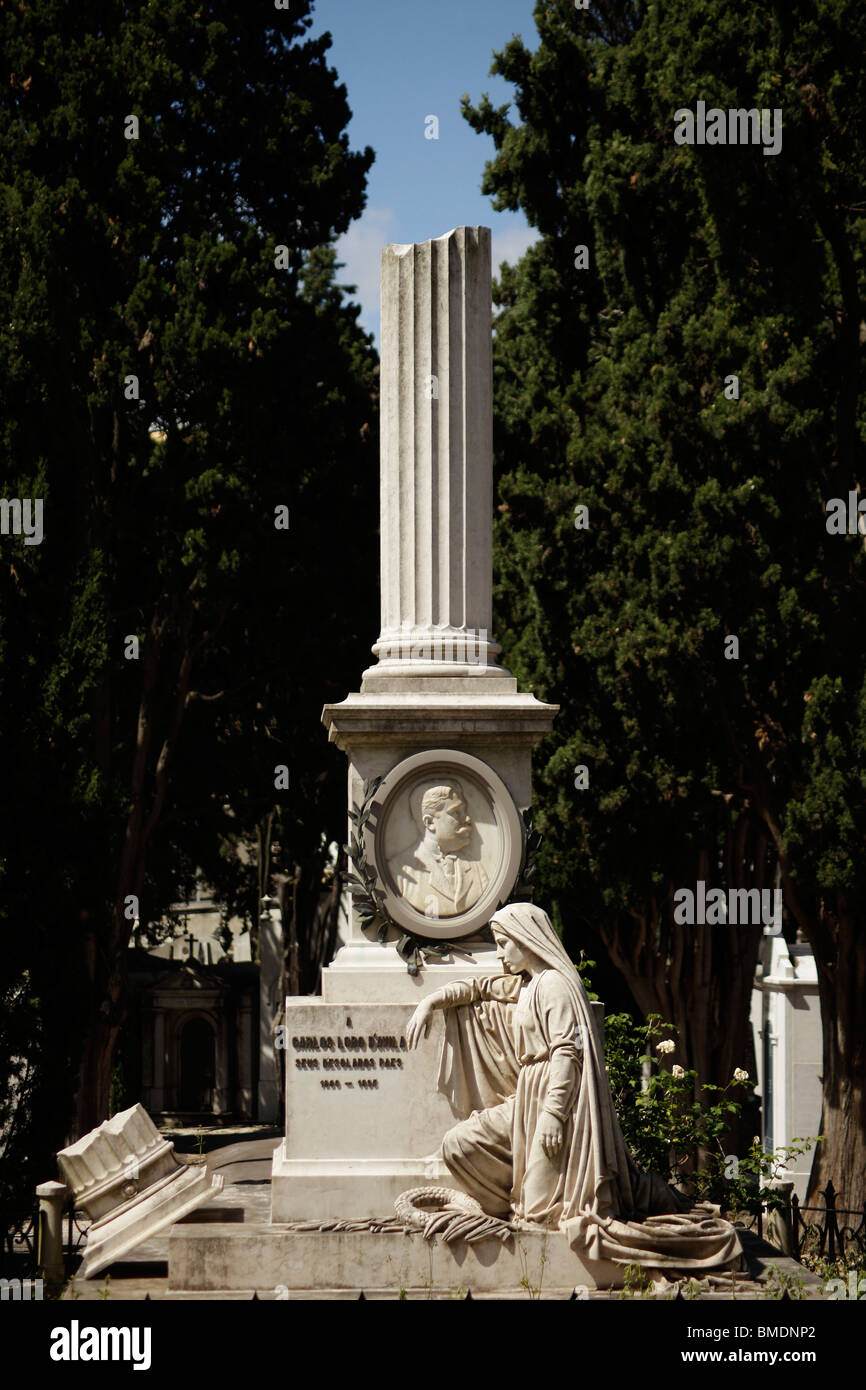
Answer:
(401, 61)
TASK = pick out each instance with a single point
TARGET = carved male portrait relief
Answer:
(446, 844)
(441, 874)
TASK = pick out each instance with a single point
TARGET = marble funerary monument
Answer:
(451, 1125)
(446, 728)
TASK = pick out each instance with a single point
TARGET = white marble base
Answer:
(364, 1119)
(310, 1191)
(268, 1258)
(353, 1145)
(363, 972)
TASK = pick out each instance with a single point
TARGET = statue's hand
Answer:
(419, 1024)
(550, 1135)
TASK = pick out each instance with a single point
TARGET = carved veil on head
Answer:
(532, 929)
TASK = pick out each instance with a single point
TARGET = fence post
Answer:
(49, 1258)
(829, 1195)
(780, 1225)
(796, 1222)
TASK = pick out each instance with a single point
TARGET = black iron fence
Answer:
(824, 1231)
(19, 1254)
(821, 1231)
(829, 1236)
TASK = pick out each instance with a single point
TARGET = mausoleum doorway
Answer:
(197, 1065)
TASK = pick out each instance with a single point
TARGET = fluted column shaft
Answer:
(436, 453)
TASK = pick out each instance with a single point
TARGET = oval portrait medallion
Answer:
(447, 843)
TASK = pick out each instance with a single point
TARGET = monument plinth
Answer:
(126, 1177)
(435, 714)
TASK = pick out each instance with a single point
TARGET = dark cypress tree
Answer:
(176, 364)
(706, 509)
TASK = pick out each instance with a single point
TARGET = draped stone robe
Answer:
(515, 1050)
(496, 1155)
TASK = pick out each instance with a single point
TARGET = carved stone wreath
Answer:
(440, 1211)
(416, 1206)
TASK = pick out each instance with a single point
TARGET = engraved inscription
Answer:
(349, 1052)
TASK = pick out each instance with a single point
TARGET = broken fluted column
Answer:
(126, 1177)
(436, 458)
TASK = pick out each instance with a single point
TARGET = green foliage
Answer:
(155, 258)
(636, 1282)
(583, 966)
(742, 1186)
(781, 1283)
(667, 1118)
(706, 514)
(675, 1125)
(854, 1260)
(691, 1289)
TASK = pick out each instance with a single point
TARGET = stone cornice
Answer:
(426, 719)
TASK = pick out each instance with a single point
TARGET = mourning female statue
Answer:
(542, 1144)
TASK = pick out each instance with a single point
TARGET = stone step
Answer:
(271, 1258)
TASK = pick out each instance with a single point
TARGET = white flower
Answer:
(677, 1072)
(740, 1075)
(666, 1046)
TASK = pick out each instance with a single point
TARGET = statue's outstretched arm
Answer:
(459, 992)
(504, 989)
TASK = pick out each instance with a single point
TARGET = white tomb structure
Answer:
(364, 1116)
(786, 1022)
(439, 744)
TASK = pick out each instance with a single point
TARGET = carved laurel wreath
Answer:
(371, 911)
(372, 914)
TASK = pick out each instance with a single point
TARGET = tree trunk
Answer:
(95, 1073)
(165, 661)
(840, 952)
(107, 981)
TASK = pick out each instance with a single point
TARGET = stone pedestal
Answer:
(52, 1199)
(116, 1161)
(436, 683)
(363, 1116)
(780, 1220)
